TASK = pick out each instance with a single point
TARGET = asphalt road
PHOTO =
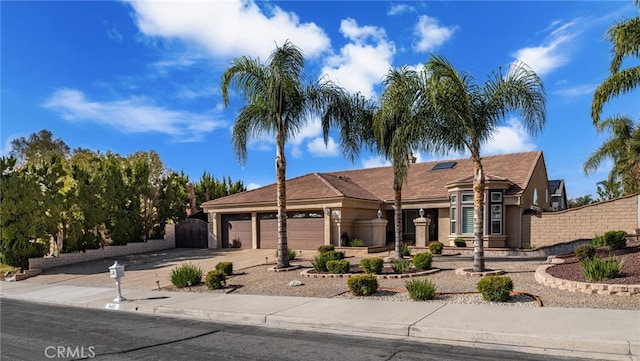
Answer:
(31, 331)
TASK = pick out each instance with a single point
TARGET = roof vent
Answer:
(444, 165)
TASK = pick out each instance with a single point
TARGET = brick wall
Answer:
(151, 245)
(582, 222)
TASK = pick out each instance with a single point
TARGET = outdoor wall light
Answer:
(379, 214)
(421, 213)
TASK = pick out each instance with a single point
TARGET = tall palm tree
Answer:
(625, 38)
(623, 148)
(464, 115)
(277, 102)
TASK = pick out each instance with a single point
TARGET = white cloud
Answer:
(317, 148)
(252, 185)
(400, 9)
(229, 28)
(363, 62)
(374, 162)
(509, 138)
(552, 53)
(132, 115)
(430, 34)
(577, 90)
(7, 148)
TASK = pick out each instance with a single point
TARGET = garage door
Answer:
(236, 231)
(305, 230)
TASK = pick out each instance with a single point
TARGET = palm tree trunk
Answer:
(283, 255)
(478, 214)
(397, 217)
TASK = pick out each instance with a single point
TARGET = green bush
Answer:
(185, 275)
(585, 251)
(326, 248)
(422, 261)
(420, 289)
(615, 239)
(597, 269)
(362, 285)
(405, 251)
(372, 265)
(333, 255)
(215, 279)
(459, 242)
(357, 242)
(401, 265)
(598, 240)
(17, 253)
(496, 288)
(319, 263)
(225, 267)
(338, 266)
(436, 247)
(291, 254)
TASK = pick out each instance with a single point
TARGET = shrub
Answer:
(225, 267)
(585, 251)
(598, 240)
(405, 251)
(326, 248)
(420, 289)
(185, 275)
(357, 242)
(319, 263)
(615, 239)
(496, 288)
(436, 247)
(362, 285)
(422, 261)
(597, 269)
(215, 279)
(16, 253)
(401, 265)
(459, 242)
(338, 266)
(372, 265)
(333, 255)
(291, 254)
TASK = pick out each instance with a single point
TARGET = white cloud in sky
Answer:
(132, 115)
(430, 34)
(553, 52)
(362, 63)
(317, 148)
(374, 162)
(587, 89)
(229, 28)
(253, 185)
(509, 138)
(400, 9)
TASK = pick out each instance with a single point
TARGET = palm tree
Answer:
(277, 102)
(623, 148)
(463, 115)
(625, 38)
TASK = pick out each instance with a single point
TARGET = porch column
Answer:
(422, 231)
(378, 232)
(254, 230)
(213, 231)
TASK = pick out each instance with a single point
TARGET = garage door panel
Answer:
(302, 233)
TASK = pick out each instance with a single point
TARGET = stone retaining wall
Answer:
(110, 251)
(583, 222)
(585, 287)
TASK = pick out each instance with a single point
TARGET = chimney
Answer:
(411, 158)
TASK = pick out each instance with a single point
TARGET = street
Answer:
(32, 331)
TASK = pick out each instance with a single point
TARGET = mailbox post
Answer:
(116, 271)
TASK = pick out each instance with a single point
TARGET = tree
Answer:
(173, 198)
(580, 201)
(38, 147)
(623, 148)
(397, 108)
(460, 115)
(609, 189)
(625, 39)
(277, 103)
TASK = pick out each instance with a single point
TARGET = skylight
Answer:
(444, 165)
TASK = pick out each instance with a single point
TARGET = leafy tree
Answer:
(151, 173)
(39, 146)
(277, 103)
(209, 188)
(609, 189)
(625, 39)
(459, 114)
(580, 201)
(623, 148)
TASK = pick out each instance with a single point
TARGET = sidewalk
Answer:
(588, 333)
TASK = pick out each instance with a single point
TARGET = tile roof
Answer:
(423, 183)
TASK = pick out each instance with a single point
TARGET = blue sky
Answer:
(129, 76)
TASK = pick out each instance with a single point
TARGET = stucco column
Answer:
(378, 232)
(422, 231)
(212, 236)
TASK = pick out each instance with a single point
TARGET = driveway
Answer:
(144, 269)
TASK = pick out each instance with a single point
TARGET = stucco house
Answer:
(323, 206)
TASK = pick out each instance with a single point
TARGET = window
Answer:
(407, 219)
(496, 219)
(496, 197)
(453, 220)
(453, 198)
(467, 220)
(467, 198)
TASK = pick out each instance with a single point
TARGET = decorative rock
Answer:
(294, 283)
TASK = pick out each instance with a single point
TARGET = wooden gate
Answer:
(191, 233)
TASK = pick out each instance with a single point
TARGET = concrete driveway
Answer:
(144, 269)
